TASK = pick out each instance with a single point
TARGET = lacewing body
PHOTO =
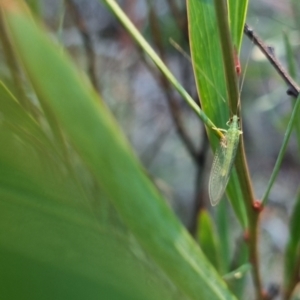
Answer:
(223, 161)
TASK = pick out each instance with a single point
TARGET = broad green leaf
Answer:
(51, 244)
(47, 227)
(101, 145)
(210, 80)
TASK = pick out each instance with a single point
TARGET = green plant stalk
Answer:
(253, 217)
(126, 22)
(240, 163)
(227, 52)
(282, 150)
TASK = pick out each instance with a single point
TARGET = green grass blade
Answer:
(235, 194)
(237, 17)
(228, 56)
(292, 253)
(208, 239)
(286, 138)
(207, 62)
(222, 224)
(96, 136)
(241, 258)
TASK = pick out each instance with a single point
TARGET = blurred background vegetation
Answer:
(137, 96)
(168, 138)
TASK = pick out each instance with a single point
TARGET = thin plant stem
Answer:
(282, 151)
(228, 59)
(294, 89)
(240, 163)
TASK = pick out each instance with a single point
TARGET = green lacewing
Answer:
(226, 152)
(223, 161)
